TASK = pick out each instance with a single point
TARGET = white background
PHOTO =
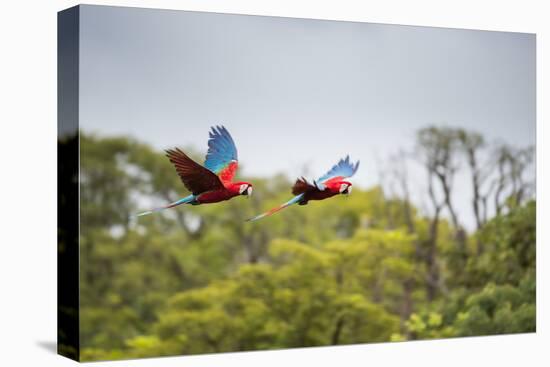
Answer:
(28, 183)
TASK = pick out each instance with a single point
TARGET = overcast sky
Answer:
(298, 93)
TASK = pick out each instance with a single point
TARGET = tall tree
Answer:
(512, 187)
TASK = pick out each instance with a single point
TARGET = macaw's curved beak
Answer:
(249, 191)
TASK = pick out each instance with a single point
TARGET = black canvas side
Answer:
(68, 318)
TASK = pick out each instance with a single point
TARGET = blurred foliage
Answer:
(346, 270)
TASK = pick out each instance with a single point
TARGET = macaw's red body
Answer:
(229, 191)
(312, 192)
(213, 182)
(329, 185)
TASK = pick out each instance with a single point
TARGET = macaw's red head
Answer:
(338, 186)
(242, 188)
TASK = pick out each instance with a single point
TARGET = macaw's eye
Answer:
(249, 190)
(243, 188)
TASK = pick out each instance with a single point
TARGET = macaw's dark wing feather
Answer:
(301, 186)
(195, 177)
(221, 157)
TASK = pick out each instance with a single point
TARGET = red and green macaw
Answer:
(212, 182)
(329, 185)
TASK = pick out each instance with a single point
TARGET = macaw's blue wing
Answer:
(344, 168)
(222, 154)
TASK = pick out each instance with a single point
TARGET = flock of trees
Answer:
(371, 267)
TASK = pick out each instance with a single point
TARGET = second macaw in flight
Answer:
(331, 184)
(212, 182)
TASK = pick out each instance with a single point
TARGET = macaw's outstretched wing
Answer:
(344, 168)
(222, 154)
(195, 177)
(294, 200)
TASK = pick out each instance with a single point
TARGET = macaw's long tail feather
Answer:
(185, 200)
(294, 200)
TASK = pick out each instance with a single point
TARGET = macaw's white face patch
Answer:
(343, 188)
(243, 188)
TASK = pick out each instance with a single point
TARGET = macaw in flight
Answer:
(331, 184)
(212, 182)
